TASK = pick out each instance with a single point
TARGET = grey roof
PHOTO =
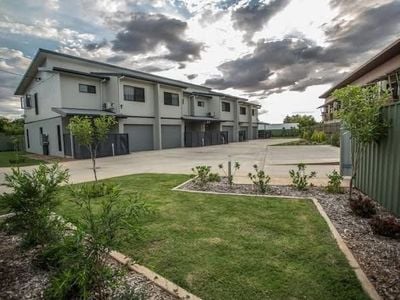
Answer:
(41, 55)
(77, 111)
(199, 118)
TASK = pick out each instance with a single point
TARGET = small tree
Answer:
(15, 131)
(90, 132)
(361, 116)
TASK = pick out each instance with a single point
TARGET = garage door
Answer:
(171, 136)
(229, 129)
(243, 134)
(140, 137)
(255, 134)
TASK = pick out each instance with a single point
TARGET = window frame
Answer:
(88, 86)
(36, 100)
(135, 97)
(59, 138)
(200, 103)
(171, 99)
(27, 138)
(226, 105)
(241, 109)
(253, 112)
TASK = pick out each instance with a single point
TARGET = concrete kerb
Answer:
(366, 285)
(157, 279)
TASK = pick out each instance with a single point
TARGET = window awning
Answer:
(200, 119)
(83, 112)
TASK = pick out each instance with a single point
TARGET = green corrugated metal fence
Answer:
(379, 174)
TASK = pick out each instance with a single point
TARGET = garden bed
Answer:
(378, 256)
(21, 279)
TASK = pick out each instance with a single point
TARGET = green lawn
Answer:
(6, 156)
(234, 247)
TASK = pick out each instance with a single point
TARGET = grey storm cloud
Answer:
(95, 45)
(144, 32)
(252, 17)
(297, 63)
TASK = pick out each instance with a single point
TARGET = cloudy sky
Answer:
(281, 53)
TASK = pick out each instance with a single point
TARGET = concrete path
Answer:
(276, 161)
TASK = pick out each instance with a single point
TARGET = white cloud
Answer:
(47, 29)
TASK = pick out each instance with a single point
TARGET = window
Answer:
(132, 93)
(242, 110)
(28, 101)
(200, 103)
(36, 104)
(85, 88)
(171, 99)
(27, 138)
(59, 137)
(253, 112)
(226, 106)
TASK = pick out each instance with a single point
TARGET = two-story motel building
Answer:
(153, 112)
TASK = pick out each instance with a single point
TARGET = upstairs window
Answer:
(132, 93)
(242, 110)
(28, 103)
(253, 112)
(171, 99)
(200, 103)
(36, 103)
(85, 88)
(226, 106)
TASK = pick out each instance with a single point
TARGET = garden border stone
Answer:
(366, 285)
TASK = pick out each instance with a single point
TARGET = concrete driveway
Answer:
(276, 161)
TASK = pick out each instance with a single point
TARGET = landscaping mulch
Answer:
(378, 256)
(21, 279)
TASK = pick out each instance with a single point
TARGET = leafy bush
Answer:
(32, 200)
(335, 139)
(386, 226)
(229, 174)
(260, 180)
(300, 178)
(307, 135)
(335, 180)
(79, 258)
(96, 189)
(363, 206)
(318, 137)
(203, 175)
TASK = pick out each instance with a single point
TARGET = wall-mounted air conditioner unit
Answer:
(108, 106)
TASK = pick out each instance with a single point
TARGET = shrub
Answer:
(307, 135)
(386, 226)
(32, 200)
(363, 206)
(78, 259)
(335, 180)
(260, 180)
(335, 139)
(203, 175)
(229, 173)
(96, 189)
(318, 137)
(300, 178)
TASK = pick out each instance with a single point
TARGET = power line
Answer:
(9, 72)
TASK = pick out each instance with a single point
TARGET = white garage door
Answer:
(140, 137)
(171, 136)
